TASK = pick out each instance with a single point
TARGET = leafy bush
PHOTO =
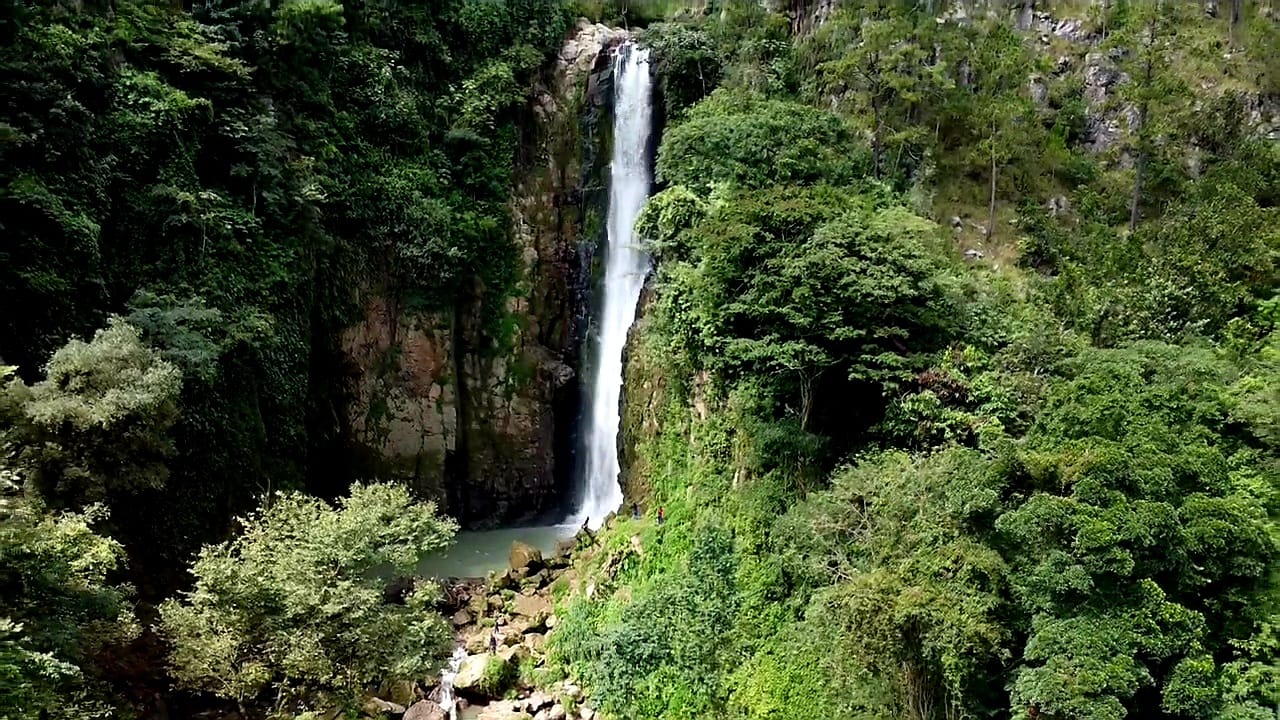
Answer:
(297, 602)
(743, 140)
(59, 612)
(98, 424)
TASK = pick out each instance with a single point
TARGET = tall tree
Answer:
(1237, 11)
(885, 68)
(1003, 114)
(1154, 89)
(99, 423)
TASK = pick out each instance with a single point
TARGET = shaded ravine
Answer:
(625, 265)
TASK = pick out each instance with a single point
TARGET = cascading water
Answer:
(625, 264)
(449, 699)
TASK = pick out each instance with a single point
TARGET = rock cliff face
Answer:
(469, 416)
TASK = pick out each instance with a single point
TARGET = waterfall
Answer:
(448, 699)
(625, 266)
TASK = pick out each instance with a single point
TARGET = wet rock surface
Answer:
(503, 622)
(438, 403)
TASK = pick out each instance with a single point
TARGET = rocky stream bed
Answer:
(502, 624)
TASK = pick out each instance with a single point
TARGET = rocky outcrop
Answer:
(425, 710)
(471, 415)
(644, 386)
(502, 625)
(506, 621)
(524, 556)
(806, 15)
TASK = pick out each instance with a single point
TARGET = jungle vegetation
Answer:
(960, 409)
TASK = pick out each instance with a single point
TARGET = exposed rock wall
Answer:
(471, 417)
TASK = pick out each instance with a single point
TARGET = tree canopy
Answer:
(297, 602)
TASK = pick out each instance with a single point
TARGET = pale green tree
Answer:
(1155, 90)
(99, 422)
(58, 611)
(885, 68)
(297, 603)
(1002, 113)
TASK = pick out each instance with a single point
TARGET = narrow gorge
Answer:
(518, 424)
(640, 360)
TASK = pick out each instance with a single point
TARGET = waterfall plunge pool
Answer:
(476, 553)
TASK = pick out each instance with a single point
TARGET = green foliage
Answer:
(664, 654)
(98, 424)
(917, 597)
(59, 613)
(1084, 528)
(296, 603)
(812, 295)
(741, 140)
(229, 174)
(875, 74)
(963, 399)
(687, 64)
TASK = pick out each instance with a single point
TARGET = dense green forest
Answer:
(222, 181)
(1035, 481)
(189, 199)
(958, 380)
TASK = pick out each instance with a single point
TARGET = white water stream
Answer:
(625, 264)
(448, 699)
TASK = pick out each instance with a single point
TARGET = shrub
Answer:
(298, 601)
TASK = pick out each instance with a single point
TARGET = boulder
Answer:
(565, 548)
(496, 602)
(536, 642)
(401, 692)
(378, 706)
(1039, 90)
(524, 556)
(471, 671)
(514, 654)
(425, 710)
(503, 711)
(534, 607)
(515, 628)
(460, 618)
(476, 640)
(536, 701)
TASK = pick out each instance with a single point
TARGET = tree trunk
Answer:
(877, 143)
(1237, 9)
(1027, 15)
(806, 398)
(991, 207)
(1140, 168)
